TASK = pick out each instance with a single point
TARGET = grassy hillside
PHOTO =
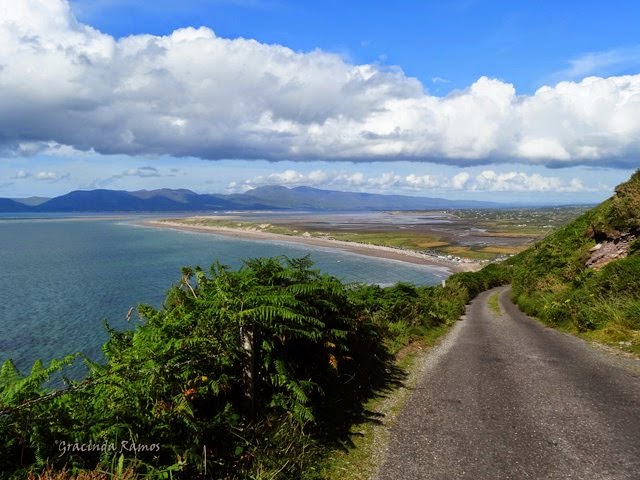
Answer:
(551, 280)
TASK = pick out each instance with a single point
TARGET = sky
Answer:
(507, 101)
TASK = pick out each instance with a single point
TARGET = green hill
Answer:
(585, 277)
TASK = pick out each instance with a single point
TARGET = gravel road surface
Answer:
(504, 397)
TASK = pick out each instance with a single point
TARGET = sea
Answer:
(61, 278)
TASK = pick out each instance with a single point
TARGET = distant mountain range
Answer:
(262, 198)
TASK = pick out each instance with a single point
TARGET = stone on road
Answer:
(504, 397)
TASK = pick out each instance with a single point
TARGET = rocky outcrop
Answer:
(609, 250)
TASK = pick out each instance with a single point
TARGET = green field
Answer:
(474, 234)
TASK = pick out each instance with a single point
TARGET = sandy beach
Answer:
(377, 251)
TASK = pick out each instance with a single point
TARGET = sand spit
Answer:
(449, 264)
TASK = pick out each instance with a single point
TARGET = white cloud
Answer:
(139, 172)
(316, 178)
(422, 181)
(385, 180)
(459, 181)
(599, 63)
(142, 172)
(288, 177)
(44, 175)
(491, 181)
(195, 94)
(485, 181)
(49, 176)
(52, 149)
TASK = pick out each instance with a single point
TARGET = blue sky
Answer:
(500, 100)
(527, 43)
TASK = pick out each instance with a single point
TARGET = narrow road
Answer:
(504, 397)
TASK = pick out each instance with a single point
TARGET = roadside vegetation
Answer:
(494, 304)
(552, 282)
(263, 372)
(255, 373)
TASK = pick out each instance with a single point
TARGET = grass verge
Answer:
(494, 304)
(361, 459)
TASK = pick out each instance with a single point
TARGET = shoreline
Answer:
(376, 251)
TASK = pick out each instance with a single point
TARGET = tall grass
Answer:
(551, 281)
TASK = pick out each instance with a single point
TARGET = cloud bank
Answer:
(192, 93)
(485, 181)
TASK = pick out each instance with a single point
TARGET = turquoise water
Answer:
(60, 278)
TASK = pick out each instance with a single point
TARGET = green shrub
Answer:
(272, 358)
